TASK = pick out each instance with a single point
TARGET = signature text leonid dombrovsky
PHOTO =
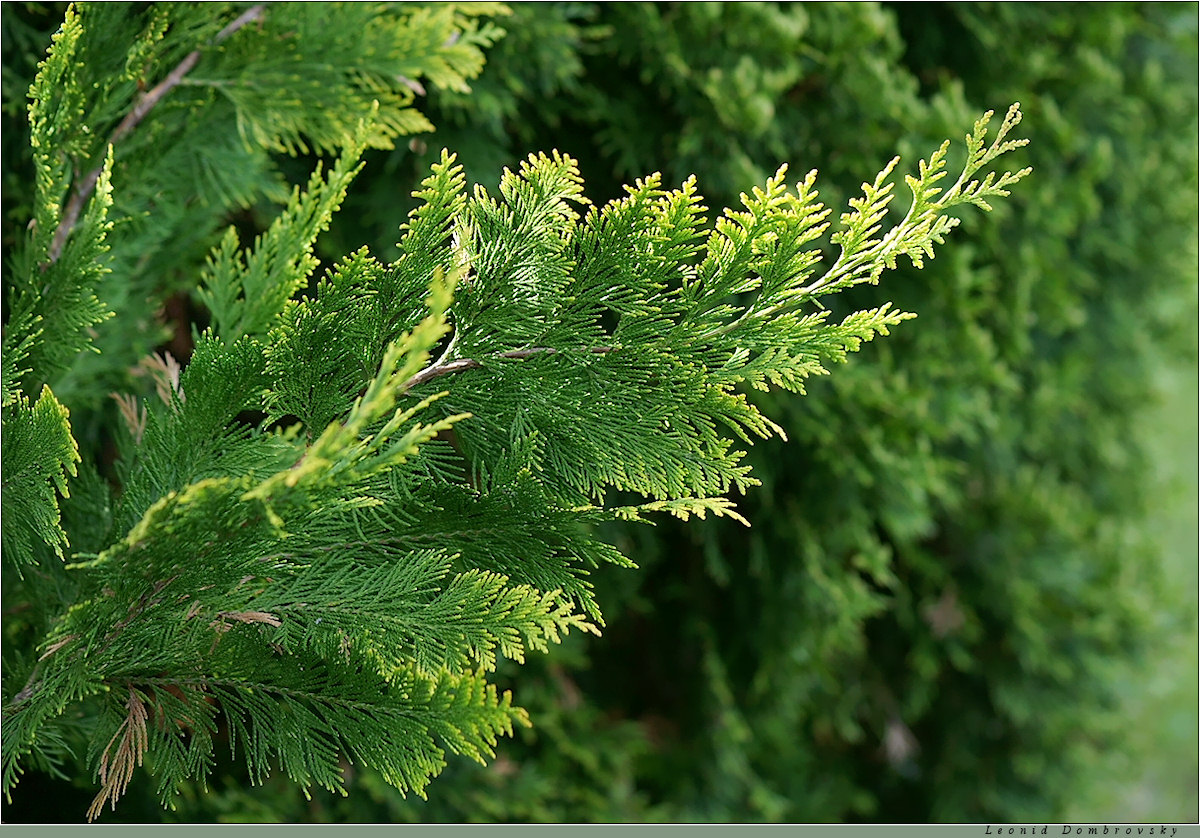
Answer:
(1091, 829)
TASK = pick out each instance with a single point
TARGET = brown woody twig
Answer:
(439, 369)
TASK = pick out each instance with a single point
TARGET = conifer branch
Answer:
(143, 107)
(462, 364)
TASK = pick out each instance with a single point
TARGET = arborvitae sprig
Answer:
(348, 506)
(245, 292)
(39, 454)
(193, 100)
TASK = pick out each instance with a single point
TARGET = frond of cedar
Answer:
(338, 578)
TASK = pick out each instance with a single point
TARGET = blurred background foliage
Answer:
(969, 590)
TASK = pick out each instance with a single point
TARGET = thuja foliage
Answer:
(201, 106)
(368, 486)
(945, 591)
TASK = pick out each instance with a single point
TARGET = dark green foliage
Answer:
(286, 82)
(941, 570)
(357, 497)
(945, 568)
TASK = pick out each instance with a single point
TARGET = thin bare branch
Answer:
(439, 369)
(54, 647)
